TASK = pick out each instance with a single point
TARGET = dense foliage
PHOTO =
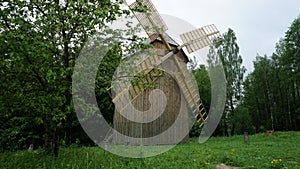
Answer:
(272, 90)
(40, 41)
(267, 98)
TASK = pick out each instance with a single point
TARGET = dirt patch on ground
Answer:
(223, 166)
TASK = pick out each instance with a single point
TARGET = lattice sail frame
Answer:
(200, 38)
(151, 20)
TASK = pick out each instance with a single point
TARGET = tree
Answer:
(40, 41)
(272, 89)
(258, 93)
(290, 61)
(103, 82)
(227, 52)
(242, 120)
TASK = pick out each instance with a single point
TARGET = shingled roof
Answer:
(168, 38)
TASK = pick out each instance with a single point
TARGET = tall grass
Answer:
(258, 153)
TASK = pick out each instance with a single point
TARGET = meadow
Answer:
(279, 151)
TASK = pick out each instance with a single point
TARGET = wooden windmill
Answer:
(180, 83)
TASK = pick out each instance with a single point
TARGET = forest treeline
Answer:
(272, 90)
(40, 41)
(268, 98)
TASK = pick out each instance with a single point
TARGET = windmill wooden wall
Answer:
(171, 89)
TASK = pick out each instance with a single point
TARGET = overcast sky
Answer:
(258, 24)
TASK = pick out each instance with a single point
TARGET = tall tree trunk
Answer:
(289, 126)
(48, 145)
(294, 122)
(56, 144)
(281, 97)
(257, 122)
(232, 115)
(226, 127)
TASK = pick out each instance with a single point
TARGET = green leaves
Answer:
(40, 41)
(227, 53)
(272, 89)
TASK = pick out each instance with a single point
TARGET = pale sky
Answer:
(258, 24)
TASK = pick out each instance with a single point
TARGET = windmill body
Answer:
(180, 91)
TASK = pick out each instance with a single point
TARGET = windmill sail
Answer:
(149, 18)
(200, 38)
(190, 92)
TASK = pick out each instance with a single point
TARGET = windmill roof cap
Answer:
(170, 40)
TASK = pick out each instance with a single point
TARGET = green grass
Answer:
(258, 153)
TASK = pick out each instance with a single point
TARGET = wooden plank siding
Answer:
(141, 102)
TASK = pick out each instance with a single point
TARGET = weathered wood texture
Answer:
(170, 87)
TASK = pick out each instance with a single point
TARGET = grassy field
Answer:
(283, 150)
